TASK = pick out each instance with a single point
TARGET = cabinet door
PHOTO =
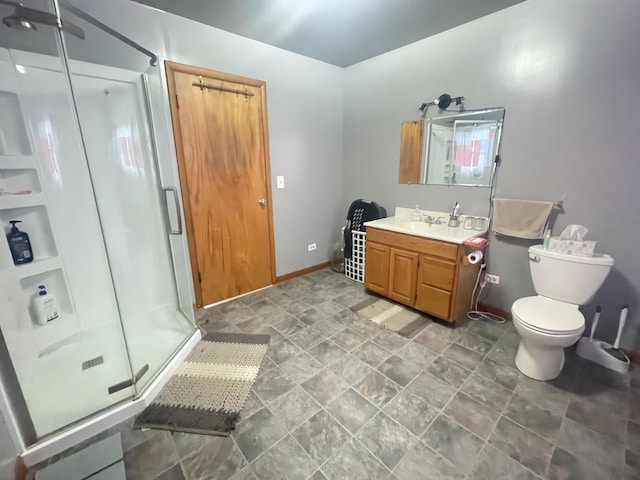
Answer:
(376, 267)
(403, 270)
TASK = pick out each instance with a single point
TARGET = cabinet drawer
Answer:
(413, 243)
(437, 272)
(434, 301)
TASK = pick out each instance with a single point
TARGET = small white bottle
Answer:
(44, 306)
(417, 215)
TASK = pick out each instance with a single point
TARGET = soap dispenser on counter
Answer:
(44, 306)
(417, 215)
(19, 244)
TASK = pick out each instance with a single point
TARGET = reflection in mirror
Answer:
(460, 149)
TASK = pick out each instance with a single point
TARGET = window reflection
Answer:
(473, 147)
(50, 148)
(126, 149)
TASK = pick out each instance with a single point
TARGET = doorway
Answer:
(220, 129)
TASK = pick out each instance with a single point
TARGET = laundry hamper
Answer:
(354, 266)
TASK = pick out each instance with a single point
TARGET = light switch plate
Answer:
(280, 181)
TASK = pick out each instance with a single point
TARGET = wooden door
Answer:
(376, 267)
(411, 138)
(403, 270)
(220, 128)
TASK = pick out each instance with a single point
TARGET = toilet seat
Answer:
(548, 316)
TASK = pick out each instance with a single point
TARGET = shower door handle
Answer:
(178, 230)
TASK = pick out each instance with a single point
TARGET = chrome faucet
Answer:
(433, 220)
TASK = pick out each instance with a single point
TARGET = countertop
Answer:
(403, 224)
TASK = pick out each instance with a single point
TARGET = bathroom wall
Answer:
(304, 102)
(567, 74)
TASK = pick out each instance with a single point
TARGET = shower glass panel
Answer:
(109, 86)
(66, 366)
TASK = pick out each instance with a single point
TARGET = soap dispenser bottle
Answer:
(44, 305)
(547, 239)
(19, 244)
(417, 216)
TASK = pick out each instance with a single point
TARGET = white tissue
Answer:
(574, 232)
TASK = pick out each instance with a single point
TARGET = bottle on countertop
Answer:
(19, 244)
(547, 239)
(417, 215)
(45, 306)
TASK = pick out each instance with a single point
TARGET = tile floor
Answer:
(340, 398)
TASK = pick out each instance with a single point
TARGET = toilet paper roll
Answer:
(475, 257)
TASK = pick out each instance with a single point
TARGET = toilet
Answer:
(550, 322)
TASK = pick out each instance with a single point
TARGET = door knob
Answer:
(262, 201)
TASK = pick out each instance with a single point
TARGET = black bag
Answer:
(360, 211)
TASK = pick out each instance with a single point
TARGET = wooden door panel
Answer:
(376, 261)
(437, 272)
(411, 151)
(226, 169)
(434, 301)
(403, 270)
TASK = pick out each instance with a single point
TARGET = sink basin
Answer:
(422, 227)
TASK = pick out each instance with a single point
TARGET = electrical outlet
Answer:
(492, 278)
(311, 247)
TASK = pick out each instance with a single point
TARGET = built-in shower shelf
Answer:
(14, 137)
(20, 201)
(38, 266)
(36, 223)
(18, 161)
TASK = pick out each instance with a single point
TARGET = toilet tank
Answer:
(568, 278)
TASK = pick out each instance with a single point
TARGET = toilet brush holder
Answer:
(596, 351)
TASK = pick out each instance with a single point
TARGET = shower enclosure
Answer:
(79, 168)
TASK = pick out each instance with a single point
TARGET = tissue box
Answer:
(584, 248)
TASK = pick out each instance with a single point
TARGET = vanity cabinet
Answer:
(429, 275)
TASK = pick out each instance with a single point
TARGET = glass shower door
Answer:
(64, 366)
(109, 87)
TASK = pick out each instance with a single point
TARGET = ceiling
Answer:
(339, 32)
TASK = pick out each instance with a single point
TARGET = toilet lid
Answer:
(548, 315)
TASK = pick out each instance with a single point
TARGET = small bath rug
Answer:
(208, 391)
(391, 315)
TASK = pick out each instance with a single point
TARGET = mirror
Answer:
(458, 149)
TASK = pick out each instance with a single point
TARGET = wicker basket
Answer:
(354, 266)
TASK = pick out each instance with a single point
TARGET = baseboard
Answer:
(299, 273)
(485, 307)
